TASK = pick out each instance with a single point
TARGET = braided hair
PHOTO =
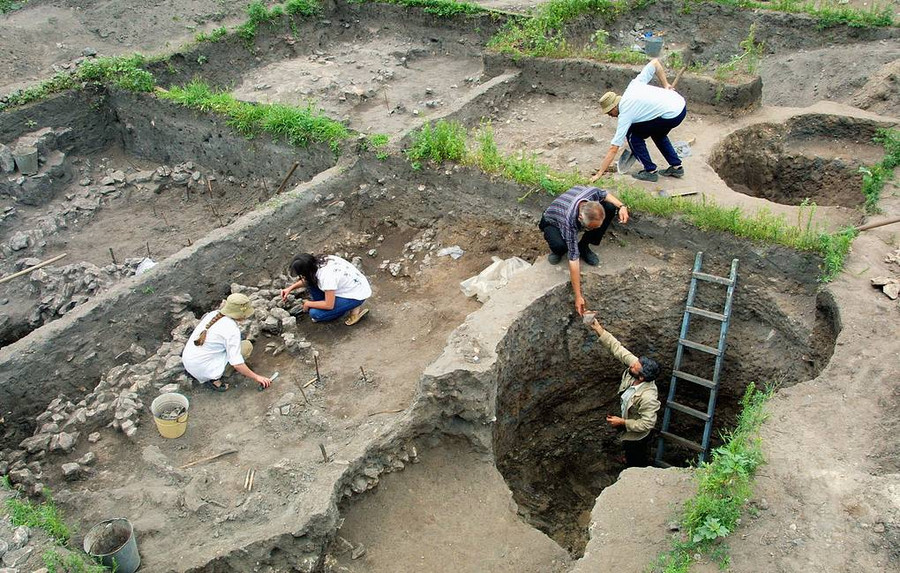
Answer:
(305, 265)
(202, 338)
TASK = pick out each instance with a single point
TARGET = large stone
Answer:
(19, 241)
(20, 537)
(7, 162)
(26, 159)
(4, 547)
(88, 459)
(139, 177)
(36, 443)
(17, 557)
(71, 471)
(62, 442)
(21, 476)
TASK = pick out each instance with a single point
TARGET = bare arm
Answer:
(245, 370)
(286, 291)
(607, 161)
(623, 209)
(575, 273)
(660, 73)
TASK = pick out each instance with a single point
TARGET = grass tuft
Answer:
(877, 176)
(44, 516)
(123, 72)
(439, 8)
(299, 126)
(58, 83)
(72, 562)
(445, 141)
(213, 36)
(10, 5)
(725, 485)
(827, 14)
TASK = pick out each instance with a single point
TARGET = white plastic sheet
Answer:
(492, 278)
(145, 265)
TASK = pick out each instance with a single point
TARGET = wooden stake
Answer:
(247, 479)
(324, 453)
(209, 186)
(397, 411)
(302, 393)
(113, 256)
(149, 256)
(365, 378)
(216, 213)
(291, 172)
(316, 358)
(34, 268)
(252, 477)
(208, 459)
(310, 382)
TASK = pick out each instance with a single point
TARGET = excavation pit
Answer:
(809, 159)
(551, 440)
(113, 189)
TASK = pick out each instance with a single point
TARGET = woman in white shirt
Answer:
(335, 286)
(216, 343)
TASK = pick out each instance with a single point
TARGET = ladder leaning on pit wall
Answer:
(677, 374)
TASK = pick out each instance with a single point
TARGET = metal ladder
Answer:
(677, 374)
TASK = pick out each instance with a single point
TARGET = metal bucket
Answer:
(653, 46)
(113, 542)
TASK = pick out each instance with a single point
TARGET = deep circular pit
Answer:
(809, 159)
(551, 441)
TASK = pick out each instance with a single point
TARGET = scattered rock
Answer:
(71, 471)
(358, 551)
(17, 557)
(878, 528)
(20, 537)
(94, 437)
(19, 241)
(88, 459)
(62, 442)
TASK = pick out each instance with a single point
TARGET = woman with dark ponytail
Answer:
(336, 288)
(216, 343)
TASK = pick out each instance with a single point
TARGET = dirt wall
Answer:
(91, 122)
(578, 76)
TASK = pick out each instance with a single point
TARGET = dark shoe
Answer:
(221, 387)
(645, 175)
(590, 258)
(554, 259)
(673, 171)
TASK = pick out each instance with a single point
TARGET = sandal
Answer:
(355, 317)
(222, 387)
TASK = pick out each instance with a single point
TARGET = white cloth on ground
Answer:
(343, 278)
(643, 102)
(222, 347)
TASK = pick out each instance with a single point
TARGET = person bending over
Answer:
(336, 288)
(639, 399)
(216, 343)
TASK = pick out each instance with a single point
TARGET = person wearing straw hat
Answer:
(336, 288)
(645, 111)
(216, 343)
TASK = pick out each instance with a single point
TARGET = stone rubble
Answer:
(38, 169)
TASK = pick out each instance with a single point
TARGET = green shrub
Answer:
(302, 7)
(59, 82)
(124, 72)
(445, 141)
(43, 516)
(213, 36)
(72, 562)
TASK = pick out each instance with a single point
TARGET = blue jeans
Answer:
(341, 306)
(657, 129)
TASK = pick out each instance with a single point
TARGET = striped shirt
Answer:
(563, 214)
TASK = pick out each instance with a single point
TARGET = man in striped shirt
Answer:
(581, 209)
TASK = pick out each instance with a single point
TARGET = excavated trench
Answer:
(556, 384)
(809, 159)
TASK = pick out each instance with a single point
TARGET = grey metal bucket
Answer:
(113, 542)
(653, 46)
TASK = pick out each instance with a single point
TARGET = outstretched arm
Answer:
(609, 341)
(607, 161)
(575, 274)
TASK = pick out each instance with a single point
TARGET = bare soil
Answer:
(827, 500)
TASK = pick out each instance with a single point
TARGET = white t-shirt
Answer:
(343, 278)
(643, 102)
(222, 346)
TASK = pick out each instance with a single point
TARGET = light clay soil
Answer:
(828, 500)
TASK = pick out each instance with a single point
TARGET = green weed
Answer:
(44, 516)
(258, 14)
(213, 36)
(725, 485)
(298, 126)
(72, 562)
(123, 72)
(57, 83)
(747, 62)
(302, 7)
(599, 49)
(440, 8)
(445, 141)
(827, 14)
(876, 176)
(10, 5)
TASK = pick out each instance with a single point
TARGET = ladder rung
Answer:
(706, 313)
(712, 278)
(694, 379)
(687, 410)
(698, 346)
(682, 441)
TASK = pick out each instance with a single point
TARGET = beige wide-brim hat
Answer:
(608, 101)
(237, 306)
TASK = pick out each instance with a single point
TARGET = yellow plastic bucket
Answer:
(162, 409)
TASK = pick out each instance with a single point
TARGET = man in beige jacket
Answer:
(639, 399)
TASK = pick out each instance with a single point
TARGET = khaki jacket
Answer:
(640, 415)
